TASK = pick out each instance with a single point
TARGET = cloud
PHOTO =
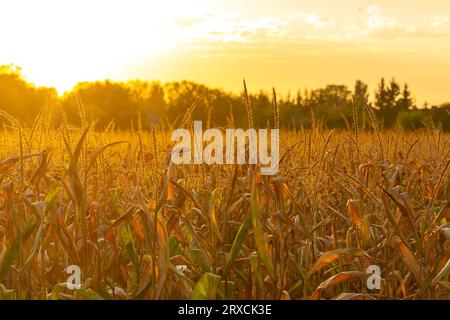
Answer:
(313, 20)
(224, 27)
(380, 26)
(376, 21)
(439, 20)
(377, 26)
(308, 26)
(187, 22)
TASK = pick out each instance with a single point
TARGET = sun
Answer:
(59, 44)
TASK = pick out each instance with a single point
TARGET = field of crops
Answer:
(140, 227)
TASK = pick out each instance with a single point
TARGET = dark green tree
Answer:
(361, 92)
(405, 102)
(393, 92)
(386, 102)
(381, 96)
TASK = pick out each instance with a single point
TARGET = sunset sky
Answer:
(288, 44)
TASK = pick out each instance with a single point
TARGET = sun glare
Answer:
(285, 43)
(59, 45)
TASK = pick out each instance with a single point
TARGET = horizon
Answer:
(290, 45)
(238, 91)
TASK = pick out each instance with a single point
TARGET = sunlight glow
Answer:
(59, 45)
(282, 43)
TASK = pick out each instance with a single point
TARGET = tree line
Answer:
(143, 103)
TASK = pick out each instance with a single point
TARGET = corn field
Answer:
(140, 227)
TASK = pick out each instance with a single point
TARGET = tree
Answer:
(381, 97)
(392, 94)
(102, 101)
(386, 101)
(135, 103)
(361, 93)
(330, 104)
(262, 108)
(405, 102)
(22, 99)
(150, 100)
(361, 96)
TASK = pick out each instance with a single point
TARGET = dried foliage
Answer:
(141, 228)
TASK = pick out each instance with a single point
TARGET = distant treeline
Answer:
(142, 103)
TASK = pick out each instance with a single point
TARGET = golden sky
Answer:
(288, 44)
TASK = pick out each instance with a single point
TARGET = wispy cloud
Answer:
(380, 26)
(375, 26)
(376, 21)
(306, 26)
(438, 21)
(312, 19)
(230, 28)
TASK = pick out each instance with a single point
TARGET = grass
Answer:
(140, 227)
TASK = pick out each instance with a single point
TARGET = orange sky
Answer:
(283, 43)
